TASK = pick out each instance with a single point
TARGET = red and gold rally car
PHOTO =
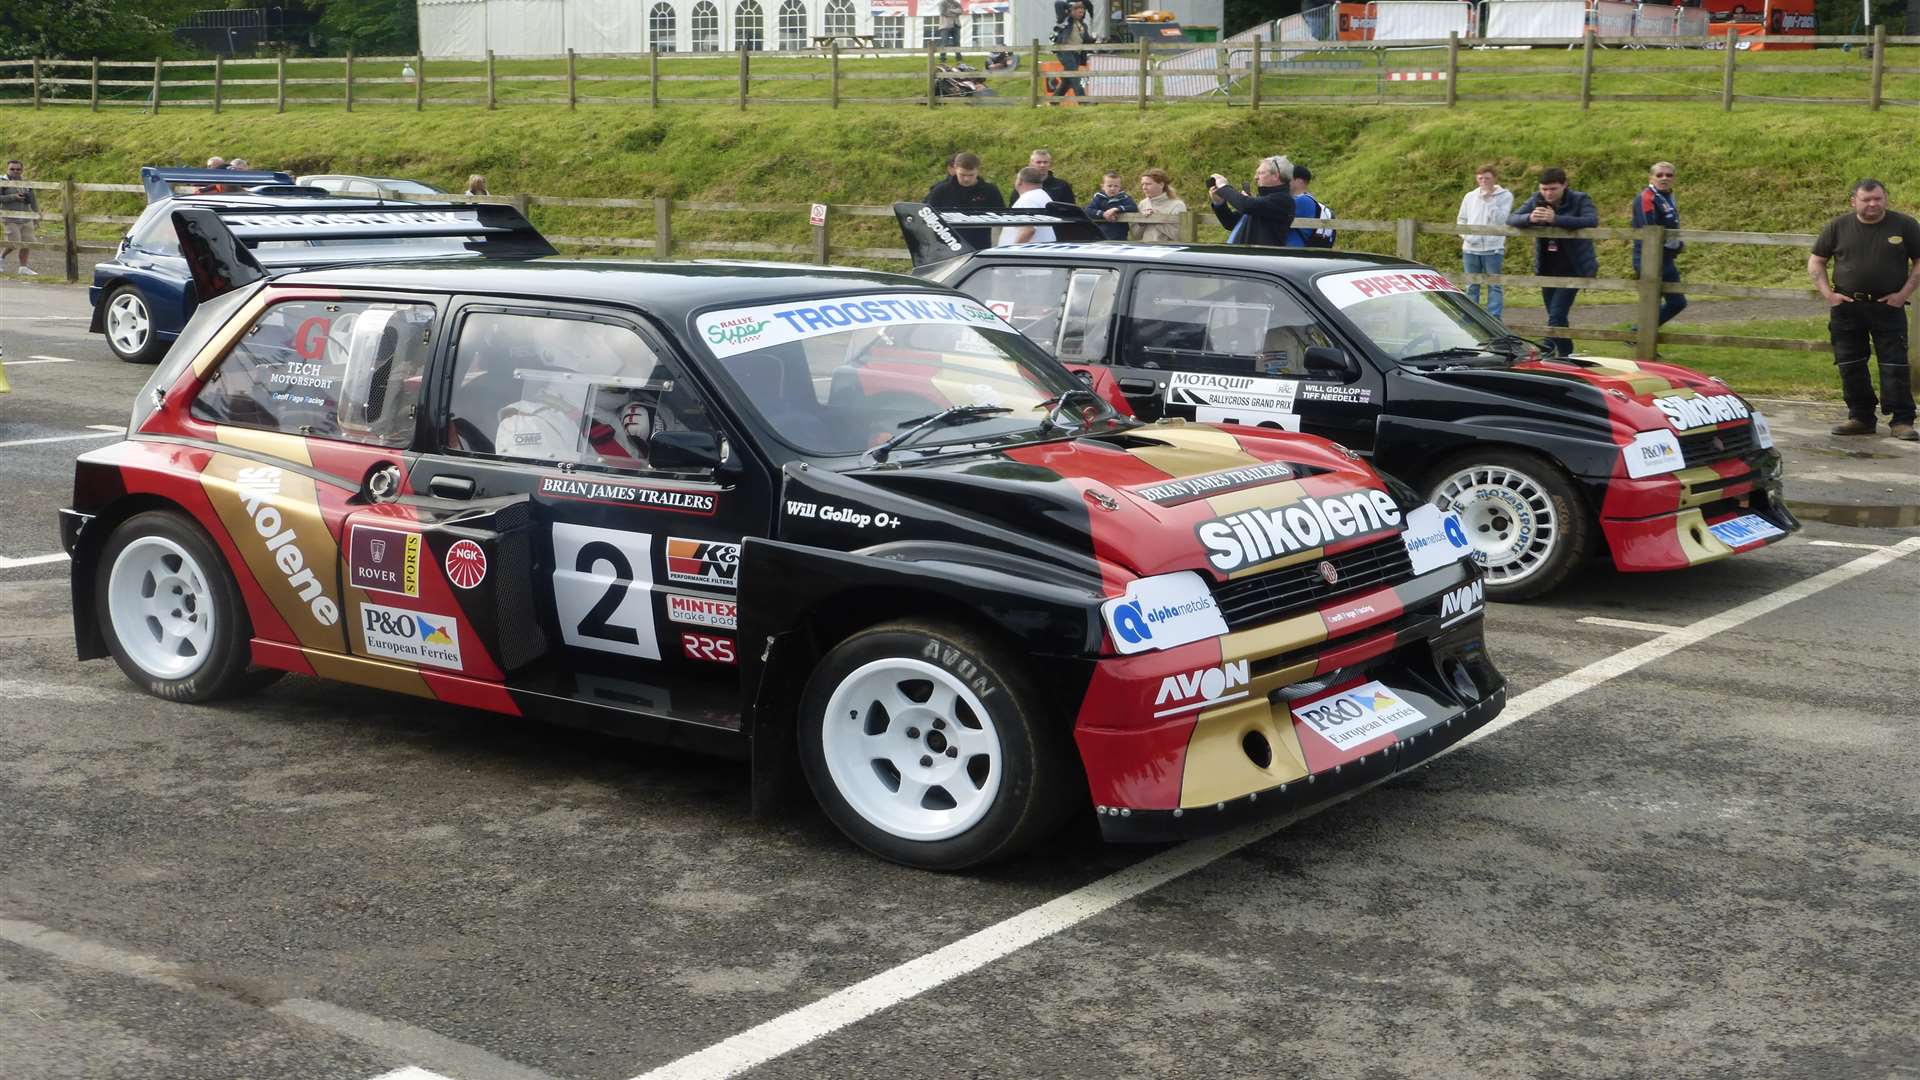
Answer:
(766, 511)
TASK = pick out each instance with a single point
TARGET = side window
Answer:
(561, 389)
(1203, 322)
(341, 370)
(1029, 297)
(156, 236)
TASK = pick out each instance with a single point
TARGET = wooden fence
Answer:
(823, 250)
(1283, 68)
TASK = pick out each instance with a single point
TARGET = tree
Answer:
(120, 29)
(370, 26)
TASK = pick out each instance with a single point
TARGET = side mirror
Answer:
(1329, 362)
(686, 451)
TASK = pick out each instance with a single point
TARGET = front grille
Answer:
(1708, 446)
(1263, 597)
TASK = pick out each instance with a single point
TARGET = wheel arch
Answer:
(84, 570)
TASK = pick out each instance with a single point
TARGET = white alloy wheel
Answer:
(162, 607)
(129, 326)
(911, 749)
(1509, 517)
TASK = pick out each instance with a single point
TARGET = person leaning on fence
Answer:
(1110, 202)
(1655, 206)
(949, 29)
(17, 198)
(1557, 206)
(1264, 216)
(477, 185)
(1487, 204)
(1875, 254)
(1030, 196)
(1306, 208)
(1069, 32)
(964, 190)
(1157, 199)
(1057, 189)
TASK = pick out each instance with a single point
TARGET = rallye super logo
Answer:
(1256, 536)
(1685, 413)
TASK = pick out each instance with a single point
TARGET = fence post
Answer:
(1223, 73)
(1404, 232)
(1190, 228)
(1144, 45)
(833, 74)
(1726, 76)
(1653, 253)
(662, 227)
(36, 82)
(653, 77)
(1033, 98)
(1586, 71)
(493, 100)
(1879, 64)
(932, 77)
(280, 80)
(823, 238)
(1453, 68)
(70, 229)
(743, 76)
(93, 87)
(522, 203)
(219, 69)
(347, 79)
(1255, 76)
(159, 65)
(419, 81)
(573, 97)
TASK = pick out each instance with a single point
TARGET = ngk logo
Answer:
(1201, 689)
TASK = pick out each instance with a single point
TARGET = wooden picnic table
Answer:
(858, 42)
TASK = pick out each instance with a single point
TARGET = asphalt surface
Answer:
(1698, 856)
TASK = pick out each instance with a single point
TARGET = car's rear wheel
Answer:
(129, 326)
(926, 744)
(171, 611)
(1527, 525)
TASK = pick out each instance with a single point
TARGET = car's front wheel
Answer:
(1527, 526)
(927, 744)
(129, 326)
(171, 611)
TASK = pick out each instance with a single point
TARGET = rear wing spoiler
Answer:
(932, 234)
(222, 244)
(158, 182)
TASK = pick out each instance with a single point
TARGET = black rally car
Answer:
(1547, 462)
(758, 510)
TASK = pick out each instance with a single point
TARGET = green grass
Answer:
(1776, 373)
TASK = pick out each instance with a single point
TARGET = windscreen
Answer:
(842, 375)
(1409, 314)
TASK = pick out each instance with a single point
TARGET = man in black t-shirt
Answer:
(1876, 267)
(964, 190)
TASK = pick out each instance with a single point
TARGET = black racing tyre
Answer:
(927, 744)
(128, 322)
(171, 611)
(1527, 524)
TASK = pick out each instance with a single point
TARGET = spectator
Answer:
(1305, 208)
(216, 162)
(1029, 194)
(1261, 218)
(1655, 207)
(17, 198)
(1158, 199)
(1487, 204)
(239, 164)
(1057, 189)
(949, 29)
(477, 185)
(1876, 257)
(1111, 201)
(1558, 206)
(1070, 32)
(964, 190)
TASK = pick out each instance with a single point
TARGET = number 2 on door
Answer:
(602, 582)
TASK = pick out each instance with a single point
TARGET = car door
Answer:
(152, 263)
(637, 494)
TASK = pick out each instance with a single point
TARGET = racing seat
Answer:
(780, 384)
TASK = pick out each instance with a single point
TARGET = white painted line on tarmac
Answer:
(40, 360)
(115, 428)
(31, 560)
(1846, 544)
(37, 318)
(61, 438)
(53, 359)
(1628, 624)
(783, 1034)
(411, 1072)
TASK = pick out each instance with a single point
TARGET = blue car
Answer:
(144, 295)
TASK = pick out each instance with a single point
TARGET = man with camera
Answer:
(1069, 32)
(1263, 217)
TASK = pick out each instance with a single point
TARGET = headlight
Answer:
(1161, 612)
(1653, 453)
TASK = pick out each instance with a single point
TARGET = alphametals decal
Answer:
(1652, 453)
(1434, 538)
(416, 637)
(1162, 612)
(1762, 434)
(650, 498)
(1687, 413)
(1187, 489)
(385, 560)
(1256, 536)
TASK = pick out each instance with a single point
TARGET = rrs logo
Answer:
(1462, 602)
(1201, 689)
(258, 485)
(1688, 413)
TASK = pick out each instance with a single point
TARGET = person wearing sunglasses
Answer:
(1655, 206)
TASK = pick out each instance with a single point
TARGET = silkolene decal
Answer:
(738, 330)
(1359, 286)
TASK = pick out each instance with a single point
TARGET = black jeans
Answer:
(1559, 313)
(1851, 326)
(1070, 61)
(1671, 304)
(948, 35)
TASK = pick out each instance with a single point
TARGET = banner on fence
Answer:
(882, 9)
(1421, 20)
(1536, 18)
(1774, 17)
(1353, 22)
(1613, 20)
